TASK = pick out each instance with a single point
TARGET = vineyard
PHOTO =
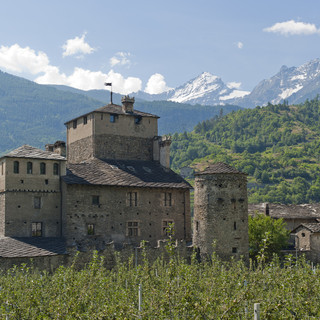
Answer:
(171, 289)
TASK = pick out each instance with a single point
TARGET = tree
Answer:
(268, 234)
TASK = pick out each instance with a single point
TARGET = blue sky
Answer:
(155, 45)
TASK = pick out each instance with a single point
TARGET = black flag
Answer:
(108, 84)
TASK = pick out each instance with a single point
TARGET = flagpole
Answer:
(109, 84)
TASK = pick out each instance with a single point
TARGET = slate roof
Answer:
(31, 247)
(219, 167)
(124, 173)
(313, 227)
(288, 211)
(116, 109)
(27, 151)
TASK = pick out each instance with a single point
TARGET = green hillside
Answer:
(35, 114)
(278, 146)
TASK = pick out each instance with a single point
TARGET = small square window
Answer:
(137, 120)
(96, 200)
(166, 225)
(74, 124)
(112, 118)
(133, 229)
(234, 250)
(85, 120)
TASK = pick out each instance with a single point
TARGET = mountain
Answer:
(206, 89)
(295, 84)
(35, 114)
(277, 145)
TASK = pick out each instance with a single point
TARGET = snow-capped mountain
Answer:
(206, 89)
(295, 84)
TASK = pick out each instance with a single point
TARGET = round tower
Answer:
(220, 220)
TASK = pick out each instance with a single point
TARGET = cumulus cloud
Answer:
(123, 85)
(156, 84)
(240, 45)
(77, 46)
(19, 59)
(292, 27)
(120, 58)
(234, 85)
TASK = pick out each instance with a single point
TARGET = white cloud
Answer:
(234, 85)
(76, 46)
(156, 84)
(123, 85)
(292, 27)
(19, 59)
(240, 45)
(121, 58)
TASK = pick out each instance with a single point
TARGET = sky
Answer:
(155, 45)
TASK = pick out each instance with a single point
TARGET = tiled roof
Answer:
(31, 247)
(116, 109)
(288, 211)
(219, 167)
(125, 173)
(313, 227)
(30, 152)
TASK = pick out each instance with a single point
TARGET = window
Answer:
(303, 234)
(37, 202)
(90, 229)
(132, 199)
(29, 167)
(166, 225)
(234, 250)
(137, 120)
(56, 169)
(167, 199)
(37, 229)
(133, 229)
(74, 124)
(85, 120)
(2, 168)
(234, 226)
(112, 118)
(96, 200)
(42, 168)
(16, 167)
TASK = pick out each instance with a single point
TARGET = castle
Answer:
(112, 182)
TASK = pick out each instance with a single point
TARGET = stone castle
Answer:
(112, 182)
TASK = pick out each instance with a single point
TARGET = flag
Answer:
(108, 84)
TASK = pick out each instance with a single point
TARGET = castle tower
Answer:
(221, 212)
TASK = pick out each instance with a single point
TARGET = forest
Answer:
(278, 146)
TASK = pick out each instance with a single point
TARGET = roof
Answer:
(288, 211)
(219, 167)
(313, 227)
(124, 173)
(116, 109)
(31, 247)
(31, 152)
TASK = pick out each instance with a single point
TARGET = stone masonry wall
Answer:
(80, 150)
(111, 216)
(221, 215)
(122, 147)
(2, 213)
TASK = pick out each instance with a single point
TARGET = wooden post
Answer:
(257, 311)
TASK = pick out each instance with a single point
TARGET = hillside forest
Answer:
(278, 146)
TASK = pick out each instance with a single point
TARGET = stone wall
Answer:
(80, 150)
(2, 213)
(110, 217)
(221, 215)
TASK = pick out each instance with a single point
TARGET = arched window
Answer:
(16, 167)
(56, 169)
(29, 167)
(42, 168)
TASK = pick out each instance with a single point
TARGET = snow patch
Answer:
(288, 92)
(235, 94)
(298, 77)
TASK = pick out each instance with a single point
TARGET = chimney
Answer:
(164, 144)
(60, 148)
(127, 104)
(49, 147)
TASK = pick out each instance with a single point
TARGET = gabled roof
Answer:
(31, 247)
(116, 109)
(124, 173)
(313, 227)
(219, 167)
(30, 152)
